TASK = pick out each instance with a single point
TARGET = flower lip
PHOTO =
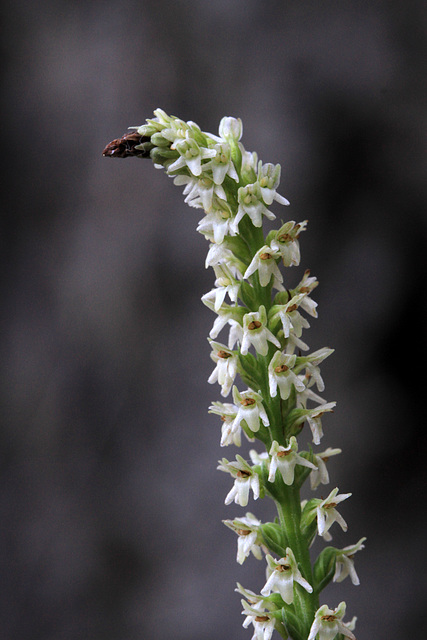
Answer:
(281, 368)
(329, 618)
(243, 474)
(247, 402)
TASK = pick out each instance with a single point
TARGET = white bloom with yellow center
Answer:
(328, 623)
(244, 480)
(281, 577)
(280, 375)
(255, 332)
(327, 513)
(285, 460)
(265, 262)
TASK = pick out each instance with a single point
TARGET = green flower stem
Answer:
(289, 512)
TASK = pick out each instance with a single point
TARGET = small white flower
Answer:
(245, 479)
(327, 513)
(255, 332)
(307, 284)
(190, 186)
(291, 319)
(218, 222)
(226, 367)
(268, 179)
(281, 577)
(219, 254)
(230, 431)
(320, 474)
(251, 203)
(249, 539)
(250, 409)
(311, 364)
(262, 620)
(280, 375)
(221, 164)
(345, 565)
(314, 416)
(328, 623)
(285, 460)
(172, 129)
(285, 240)
(226, 313)
(163, 122)
(264, 261)
(190, 155)
(230, 128)
(225, 284)
(199, 191)
(314, 419)
(249, 164)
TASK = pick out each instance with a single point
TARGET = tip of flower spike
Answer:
(231, 128)
(125, 146)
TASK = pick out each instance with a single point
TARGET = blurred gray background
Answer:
(110, 501)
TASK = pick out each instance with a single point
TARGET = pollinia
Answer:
(261, 322)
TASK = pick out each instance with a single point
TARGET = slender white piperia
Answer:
(265, 318)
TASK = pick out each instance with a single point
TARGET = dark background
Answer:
(110, 501)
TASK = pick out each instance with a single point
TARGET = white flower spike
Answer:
(235, 191)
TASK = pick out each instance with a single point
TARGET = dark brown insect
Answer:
(125, 146)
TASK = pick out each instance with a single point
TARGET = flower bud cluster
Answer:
(265, 320)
